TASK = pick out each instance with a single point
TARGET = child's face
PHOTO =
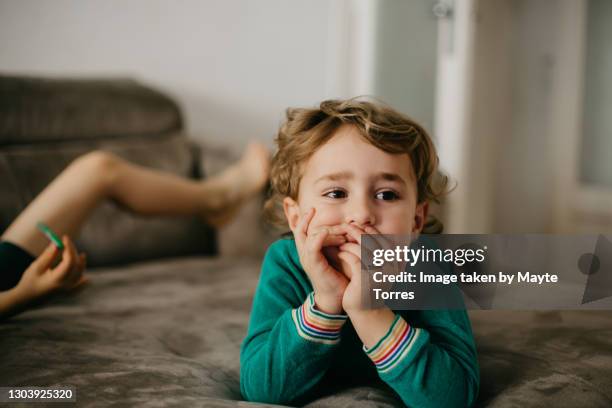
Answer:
(348, 180)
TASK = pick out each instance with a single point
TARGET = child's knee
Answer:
(97, 165)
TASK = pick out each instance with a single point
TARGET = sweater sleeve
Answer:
(289, 342)
(430, 366)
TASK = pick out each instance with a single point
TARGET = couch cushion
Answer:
(111, 235)
(44, 110)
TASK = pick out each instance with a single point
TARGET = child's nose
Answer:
(360, 212)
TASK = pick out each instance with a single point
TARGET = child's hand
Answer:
(41, 278)
(328, 283)
(350, 255)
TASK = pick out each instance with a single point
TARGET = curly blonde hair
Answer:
(305, 130)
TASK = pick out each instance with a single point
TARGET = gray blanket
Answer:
(168, 333)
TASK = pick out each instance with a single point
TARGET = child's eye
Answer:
(387, 195)
(337, 193)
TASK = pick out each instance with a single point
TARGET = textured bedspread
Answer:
(168, 333)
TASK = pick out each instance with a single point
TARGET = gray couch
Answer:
(162, 321)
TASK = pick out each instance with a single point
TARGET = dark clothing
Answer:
(13, 263)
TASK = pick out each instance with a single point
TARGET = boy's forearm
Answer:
(284, 364)
(406, 358)
(371, 325)
(328, 304)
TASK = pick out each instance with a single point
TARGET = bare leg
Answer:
(67, 202)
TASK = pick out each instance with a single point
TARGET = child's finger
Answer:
(302, 226)
(76, 273)
(45, 260)
(339, 229)
(317, 239)
(334, 240)
(355, 250)
(70, 247)
(354, 232)
(69, 258)
(379, 240)
(371, 230)
(376, 237)
(374, 241)
(306, 220)
(352, 248)
(353, 262)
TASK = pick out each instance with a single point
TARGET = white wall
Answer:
(234, 65)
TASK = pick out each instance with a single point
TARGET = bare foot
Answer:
(254, 169)
(225, 193)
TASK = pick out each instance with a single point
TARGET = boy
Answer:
(342, 170)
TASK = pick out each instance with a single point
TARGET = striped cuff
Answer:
(394, 346)
(314, 325)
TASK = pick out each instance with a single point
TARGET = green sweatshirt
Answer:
(293, 352)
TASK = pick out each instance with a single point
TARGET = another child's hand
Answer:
(41, 278)
(328, 283)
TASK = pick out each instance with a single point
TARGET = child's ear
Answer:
(420, 215)
(292, 212)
